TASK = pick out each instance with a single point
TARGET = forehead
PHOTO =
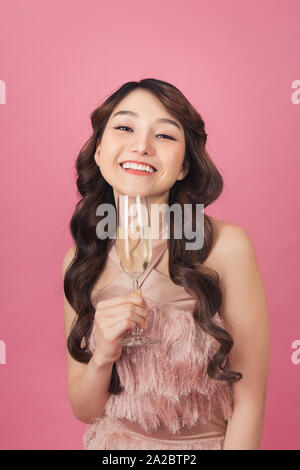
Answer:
(141, 96)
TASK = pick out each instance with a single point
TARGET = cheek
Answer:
(109, 154)
(174, 161)
(109, 142)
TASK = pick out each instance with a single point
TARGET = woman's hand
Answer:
(112, 318)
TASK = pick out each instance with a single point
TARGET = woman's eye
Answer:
(126, 127)
(122, 127)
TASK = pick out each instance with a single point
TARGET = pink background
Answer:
(236, 62)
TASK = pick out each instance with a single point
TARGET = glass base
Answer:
(138, 341)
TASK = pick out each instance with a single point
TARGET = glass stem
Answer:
(135, 284)
(135, 288)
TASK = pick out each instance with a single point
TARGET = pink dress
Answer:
(169, 401)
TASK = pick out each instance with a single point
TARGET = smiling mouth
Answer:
(135, 171)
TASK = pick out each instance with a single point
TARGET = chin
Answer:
(133, 192)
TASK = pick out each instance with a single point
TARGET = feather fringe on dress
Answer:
(163, 382)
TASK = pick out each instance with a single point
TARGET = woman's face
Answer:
(144, 140)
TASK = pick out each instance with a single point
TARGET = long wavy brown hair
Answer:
(203, 184)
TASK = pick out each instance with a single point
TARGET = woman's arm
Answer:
(246, 317)
(87, 384)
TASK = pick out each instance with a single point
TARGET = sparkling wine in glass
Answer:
(134, 249)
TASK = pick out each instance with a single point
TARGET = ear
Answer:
(184, 170)
(97, 155)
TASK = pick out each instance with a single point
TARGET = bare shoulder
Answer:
(234, 258)
(229, 235)
(231, 241)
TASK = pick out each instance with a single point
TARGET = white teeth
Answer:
(135, 166)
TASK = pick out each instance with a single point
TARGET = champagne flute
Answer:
(134, 249)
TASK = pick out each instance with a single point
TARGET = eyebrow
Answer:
(131, 113)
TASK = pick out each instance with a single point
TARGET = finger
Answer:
(137, 291)
(137, 319)
(137, 298)
(131, 323)
(124, 310)
(121, 299)
(117, 330)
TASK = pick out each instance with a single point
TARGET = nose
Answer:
(142, 145)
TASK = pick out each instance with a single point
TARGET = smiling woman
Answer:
(202, 387)
(142, 131)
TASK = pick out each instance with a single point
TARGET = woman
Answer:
(204, 386)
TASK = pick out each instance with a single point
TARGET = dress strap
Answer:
(158, 249)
